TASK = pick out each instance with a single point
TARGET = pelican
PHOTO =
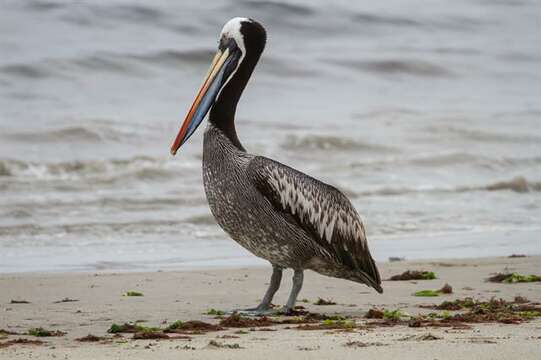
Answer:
(274, 211)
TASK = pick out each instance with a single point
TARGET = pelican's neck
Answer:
(222, 114)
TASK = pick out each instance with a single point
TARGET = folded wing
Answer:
(319, 209)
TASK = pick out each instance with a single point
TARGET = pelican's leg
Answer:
(265, 306)
(276, 279)
(298, 278)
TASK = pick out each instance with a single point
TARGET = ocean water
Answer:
(427, 114)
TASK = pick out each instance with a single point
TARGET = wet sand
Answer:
(170, 296)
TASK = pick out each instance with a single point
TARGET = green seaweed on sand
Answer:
(385, 314)
(511, 278)
(41, 332)
(130, 328)
(393, 315)
(442, 315)
(446, 289)
(427, 293)
(341, 324)
(414, 275)
(133, 293)
(215, 312)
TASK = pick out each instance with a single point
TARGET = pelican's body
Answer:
(276, 212)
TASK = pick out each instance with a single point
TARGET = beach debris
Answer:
(428, 337)
(510, 278)
(41, 332)
(329, 325)
(185, 347)
(385, 314)
(213, 344)
(521, 300)
(457, 304)
(310, 318)
(494, 310)
(20, 342)
(215, 312)
(306, 301)
(298, 310)
(147, 335)
(321, 301)
(263, 329)
(374, 313)
(446, 289)
(516, 256)
(414, 275)
(482, 340)
(90, 338)
(235, 320)
(130, 328)
(133, 293)
(19, 302)
(308, 348)
(241, 332)
(192, 327)
(393, 315)
(8, 332)
(361, 344)
(422, 337)
(65, 300)
(227, 336)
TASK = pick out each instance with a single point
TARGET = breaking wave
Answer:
(140, 167)
(450, 159)
(518, 184)
(327, 142)
(70, 133)
(484, 135)
(398, 67)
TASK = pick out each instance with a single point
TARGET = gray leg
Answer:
(298, 277)
(264, 307)
(276, 279)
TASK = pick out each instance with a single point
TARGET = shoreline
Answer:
(414, 247)
(186, 295)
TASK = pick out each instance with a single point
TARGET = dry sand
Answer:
(170, 296)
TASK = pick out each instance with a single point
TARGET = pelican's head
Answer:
(240, 44)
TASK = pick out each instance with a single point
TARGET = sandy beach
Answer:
(170, 296)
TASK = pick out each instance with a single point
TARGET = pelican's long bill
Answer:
(224, 63)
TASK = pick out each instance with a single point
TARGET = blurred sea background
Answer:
(427, 114)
